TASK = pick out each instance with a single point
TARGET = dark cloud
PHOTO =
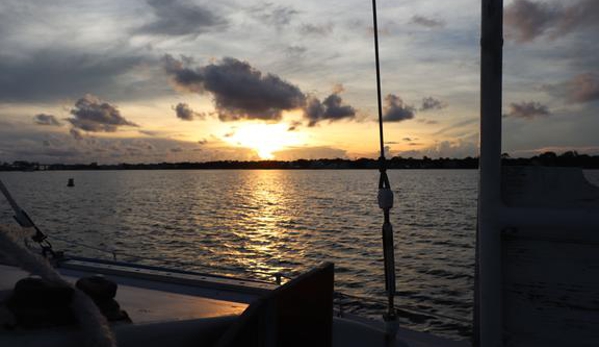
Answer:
(331, 109)
(93, 115)
(526, 20)
(295, 51)
(51, 74)
(278, 16)
(527, 110)
(579, 89)
(427, 22)
(316, 29)
(46, 119)
(294, 125)
(395, 109)
(76, 134)
(239, 90)
(202, 141)
(430, 103)
(150, 132)
(37, 144)
(176, 18)
(184, 112)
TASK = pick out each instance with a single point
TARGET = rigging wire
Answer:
(117, 253)
(385, 199)
(378, 79)
(339, 295)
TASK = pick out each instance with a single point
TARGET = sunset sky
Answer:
(153, 81)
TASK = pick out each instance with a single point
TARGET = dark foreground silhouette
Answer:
(567, 159)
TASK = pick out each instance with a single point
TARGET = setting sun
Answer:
(265, 139)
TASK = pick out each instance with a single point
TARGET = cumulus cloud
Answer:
(239, 90)
(525, 20)
(184, 112)
(527, 110)
(331, 109)
(395, 110)
(46, 119)
(242, 92)
(175, 18)
(581, 88)
(430, 103)
(94, 115)
(427, 22)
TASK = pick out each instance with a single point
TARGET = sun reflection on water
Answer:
(265, 245)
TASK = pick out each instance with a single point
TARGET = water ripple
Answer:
(263, 222)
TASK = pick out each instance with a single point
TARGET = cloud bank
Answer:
(239, 90)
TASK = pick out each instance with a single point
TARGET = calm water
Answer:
(256, 223)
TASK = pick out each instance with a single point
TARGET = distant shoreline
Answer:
(567, 159)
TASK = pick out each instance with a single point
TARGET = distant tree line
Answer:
(567, 159)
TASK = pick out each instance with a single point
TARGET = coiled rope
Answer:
(94, 325)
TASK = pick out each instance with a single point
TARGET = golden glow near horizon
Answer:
(265, 139)
(157, 89)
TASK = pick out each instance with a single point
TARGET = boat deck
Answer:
(184, 309)
(146, 305)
